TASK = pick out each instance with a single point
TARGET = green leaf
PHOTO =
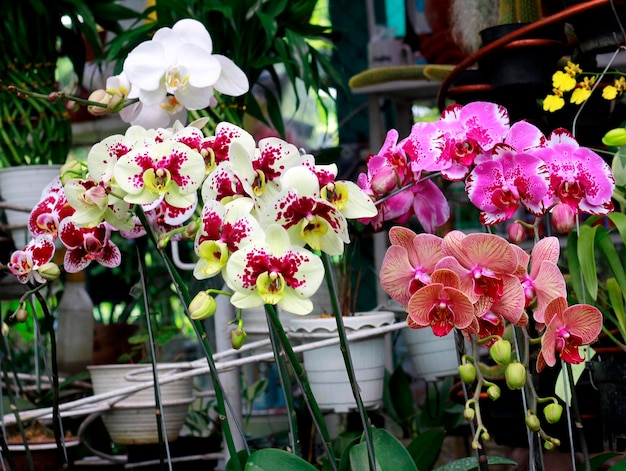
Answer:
(271, 459)
(621, 466)
(390, 454)
(398, 398)
(597, 461)
(425, 448)
(242, 456)
(470, 463)
(586, 255)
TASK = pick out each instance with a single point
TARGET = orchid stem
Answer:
(301, 379)
(200, 331)
(345, 351)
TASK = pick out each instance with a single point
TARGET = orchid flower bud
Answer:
(49, 271)
(202, 306)
(532, 422)
(71, 169)
(563, 218)
(517, 233)
(238, 338)
(494, 392)
(21, 314)
(99, 96)
(469, 413)
(500, 352)
(615, 137)
(384, 181)
(552, 412)
(515, 375)
(467, 372)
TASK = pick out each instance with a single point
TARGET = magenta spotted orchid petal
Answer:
(441, 305)
(85, 245)
(470, 131)
(578, 176)
(274, 271)
(224, 230)
(499, 186)
(216, 148)
(52, 208)
(567, 329)
(168, 170)
(424, 147)
(308, 218)
(524, 136)
(408, 263)
(223, 184)
(25, 263)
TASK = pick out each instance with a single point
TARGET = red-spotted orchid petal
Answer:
(217, 147)
(224, 229)
(579, 176)
(168, 170)
(568, 328)
(274, 272)
(85, 245)
(498, 186)
(25, 263)
(441, 305)
(46, 216)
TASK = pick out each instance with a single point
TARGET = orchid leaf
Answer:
(271, 459)
(425, 448)
(597, 461)
(608, 250)
(390, 454)
(573, 264)
(470, 463)
(616, 297)
(586, 256)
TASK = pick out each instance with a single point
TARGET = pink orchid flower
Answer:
(441, 304)
(544, 282)
(408, 263)
(85, 245)
(499, 186)
(578, 176)
(490, 325)
(430, 205)
(567, 329)
(469, 131)
(25, 263)
(486, 264)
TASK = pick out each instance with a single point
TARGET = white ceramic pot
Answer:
(432, 357)
(132, 420)
(22, 186)
(325, 367)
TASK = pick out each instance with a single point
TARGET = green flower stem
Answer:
(56, 415)
(347, 358)
(183, 294)
(283, 377)
(300, 375)
(143, 278)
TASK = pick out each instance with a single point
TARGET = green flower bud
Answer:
(515, 375)
(615, 137)
(532, 422)
(467, 372)
(555, 441)
(238, 338)
(71, 169)
(190, 231)
(49, 271)
(493, 392)
(500, 352)
(202, 306)
(552, 412)
(485, 436)
(469, 413)
(548, 445)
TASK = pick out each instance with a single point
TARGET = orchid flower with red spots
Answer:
(441, 304)
(408, 263)
(167, 170)
(274, 271)
(224, 229)
(52, 208)
(499, 186)
(567, 329)
(25, 263)
(87, 244)
(217, 148)
(579, 177)
(308, 218)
